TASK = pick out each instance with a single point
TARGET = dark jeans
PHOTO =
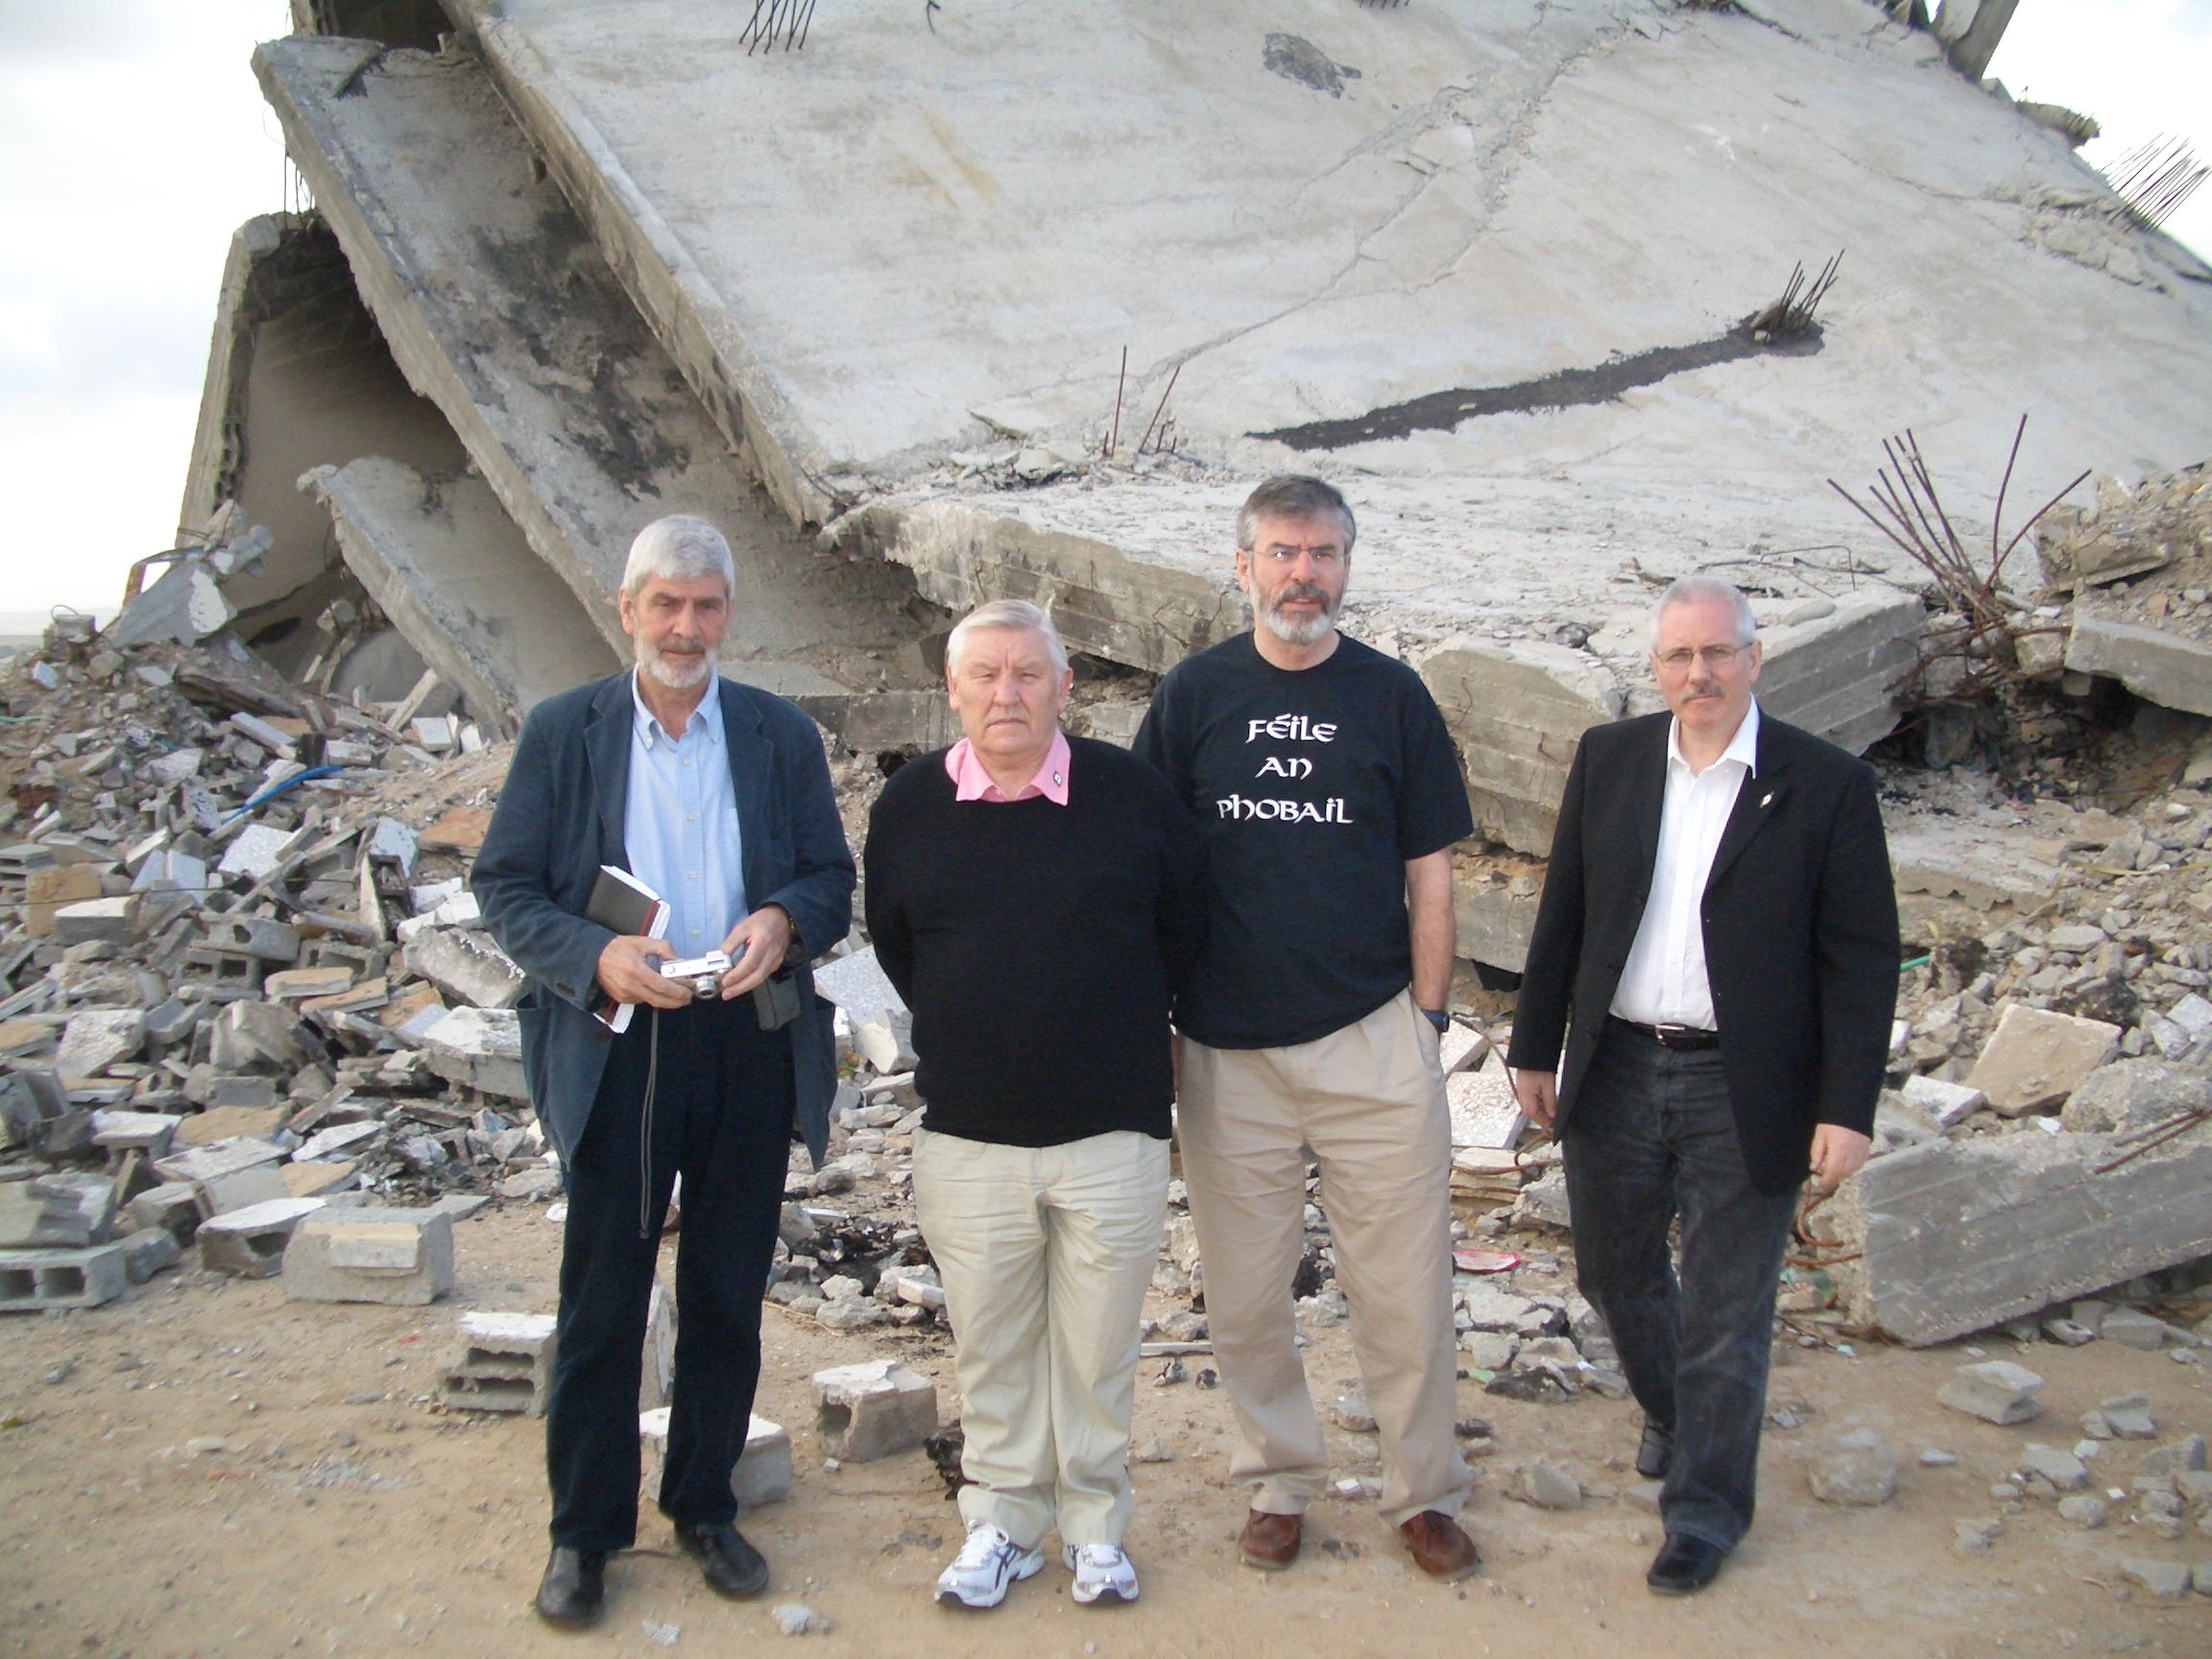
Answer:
(1651, 1136)
(721, 1113)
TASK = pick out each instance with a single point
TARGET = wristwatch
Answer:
(1439, 1018)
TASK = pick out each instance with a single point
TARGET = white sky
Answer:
(133, 141)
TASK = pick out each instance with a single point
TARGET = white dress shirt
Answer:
(1664, 982)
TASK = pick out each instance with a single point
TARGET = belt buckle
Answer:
(1668, 1035)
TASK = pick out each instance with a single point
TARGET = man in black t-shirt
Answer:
(1329, 794)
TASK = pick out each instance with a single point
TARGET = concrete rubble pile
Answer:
(239, 982)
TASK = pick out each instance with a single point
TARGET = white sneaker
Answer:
(987, 1563)
(1102, 1573)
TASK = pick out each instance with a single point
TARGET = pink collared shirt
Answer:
(971, 782)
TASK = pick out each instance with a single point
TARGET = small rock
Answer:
(797, 1619)
(1974, 1537)
(2084, 1510)
(2168, 1580)
(1855, 1469)
(1350, 1413)
(1935, 1458)
(1994, 1390)
(2126, 1417)
(2174, 1460)
(1549, 1486)
(2062, 1469)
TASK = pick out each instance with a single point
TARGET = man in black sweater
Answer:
(1037, 899)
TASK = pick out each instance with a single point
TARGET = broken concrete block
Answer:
(1542, 1202)
(249, 1244)
(2130, 1095)
(2128, 1417)
(261, 1036)
(403, 1258)
(149, 1132)
(183, 605)
(34, 1281)
(2167, 1581)
(872, 1410)
(1946, 1103)
(255, 851)
(115, 919)
(174, 1208)
(1855, 1469)
(761, 1474)
(2182, 1457)
(2164, 666)
(260, 937)
(1959, 1235)
(2132, 1328)
(47, 890)
(149, 1251)
(40, 1216)
(480, 1048)
(465, 965)
(1548, 1486)
(1461, 1049)
(169, 871)
(2036, 1058)
(202, 1163)
(220, 1124)
(1484, 1111)
(2055, 1465)
(501, 1363)
(1994, 1390)
(243, 1188)
(306, 982)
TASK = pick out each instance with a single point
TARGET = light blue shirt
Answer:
(680, 822)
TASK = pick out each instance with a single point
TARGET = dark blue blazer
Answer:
(1799, 916)
(559, 817)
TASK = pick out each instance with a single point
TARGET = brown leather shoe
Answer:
(1440, 1545)
(1270, 1542)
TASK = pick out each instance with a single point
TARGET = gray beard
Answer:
(1307, 633)
(674, 672)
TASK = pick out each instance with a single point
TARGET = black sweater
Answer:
(1038, 945)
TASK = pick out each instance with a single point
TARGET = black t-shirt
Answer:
(1038, 945)
(1312, 789)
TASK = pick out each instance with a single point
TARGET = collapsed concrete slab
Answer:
(457, 579)
(497, 308)
(2165, 666)
(298, 377)
(1957, 1235)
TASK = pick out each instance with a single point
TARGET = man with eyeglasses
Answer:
(1329, 794)
(1719, 925)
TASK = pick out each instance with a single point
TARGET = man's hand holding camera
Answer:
(756, 948)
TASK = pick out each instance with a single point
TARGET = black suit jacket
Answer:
(559, 817)
(1800, 928)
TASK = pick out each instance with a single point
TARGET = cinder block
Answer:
(872, 1410)
(146, 1252)
(175, 1209)
(251, 1242)
(33, 1281)
(762, 1473)
(400, 1257)
(243, 1190)
(502, 1362)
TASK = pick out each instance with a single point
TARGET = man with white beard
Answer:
(716, 797)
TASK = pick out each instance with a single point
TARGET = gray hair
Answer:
(1695, 591)
(679, 549)
(1294, 495)
(1017, 614)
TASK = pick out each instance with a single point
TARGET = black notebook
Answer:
(621, 901)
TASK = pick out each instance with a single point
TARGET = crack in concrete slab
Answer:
(1565, 389)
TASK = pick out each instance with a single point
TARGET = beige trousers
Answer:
(1368, 1102)
(1046, 1253)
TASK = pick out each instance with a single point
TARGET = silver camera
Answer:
(705, 973)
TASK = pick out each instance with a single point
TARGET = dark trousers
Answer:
(1651, 1137)
(721, 1113)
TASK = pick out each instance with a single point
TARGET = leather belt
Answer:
(1685, 1038)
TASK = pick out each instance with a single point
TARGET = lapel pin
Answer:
(1767, 799)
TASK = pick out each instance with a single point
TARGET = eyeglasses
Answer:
(1678, 659)
(1325, 555)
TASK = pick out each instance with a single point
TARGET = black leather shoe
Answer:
(574, 1589)
(1684, 1565)
(733, 1566)
(1655, 1451)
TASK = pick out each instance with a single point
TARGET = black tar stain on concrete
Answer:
(1441, 410)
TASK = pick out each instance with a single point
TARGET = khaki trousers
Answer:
(1046, 1253)
(1368, 1102)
